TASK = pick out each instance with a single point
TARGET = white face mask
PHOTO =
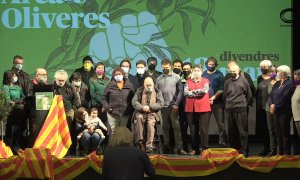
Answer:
(19, 66)
(15, 79)
(119, 78)
(77, 84)
(140, 70)
(43, 78)
(125, 69)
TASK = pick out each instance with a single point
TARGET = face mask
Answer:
(297, 82)
(15, 79)
(166, 71)
(186, 73)
(233, 75)
(119, 78)
(177, 70)
(278, 76)
(264, 71)
(100, 71)
(19, 66)
(140, 70)
(151, 67)
(125, 69)
(77, 84)
(272, 75)
(149, 89)
(211, 69)
(43, 79)
(87, 66)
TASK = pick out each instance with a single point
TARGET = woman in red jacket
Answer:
(197, 108)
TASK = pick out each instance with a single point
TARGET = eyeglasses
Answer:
(43, 74)
(60, 80)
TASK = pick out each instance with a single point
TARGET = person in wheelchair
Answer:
(147, 103)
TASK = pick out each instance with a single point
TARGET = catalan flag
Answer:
(5, 151)
(55, 134)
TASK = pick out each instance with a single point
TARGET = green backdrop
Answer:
(110, 30)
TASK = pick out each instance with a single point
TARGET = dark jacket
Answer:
(118, 100)
(126, 162)
(23, 81)
(70, 97)
(85, 98)
(281, 95)
(85, 76)
(134, 81)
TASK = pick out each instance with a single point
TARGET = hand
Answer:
(175, 108)
(272, 108)
(146, 108)
(211, 100)
(103, 110)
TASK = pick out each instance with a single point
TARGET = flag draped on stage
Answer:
(55, 134)
(5, 151)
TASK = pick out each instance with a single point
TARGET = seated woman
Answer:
(88, 141)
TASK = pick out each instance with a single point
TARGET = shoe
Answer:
(272, 153)
(181, 152)
(149, 149)
(141, 146)
(192, 153)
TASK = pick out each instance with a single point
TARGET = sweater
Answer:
(237, 94)
(171, 88)
(281, 95)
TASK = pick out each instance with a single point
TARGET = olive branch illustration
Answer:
(74, 41)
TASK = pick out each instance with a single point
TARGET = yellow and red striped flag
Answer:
(55, 134)
(5, 151)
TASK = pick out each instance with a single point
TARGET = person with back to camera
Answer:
(124, 161)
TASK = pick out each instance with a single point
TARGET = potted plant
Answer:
(6, 107)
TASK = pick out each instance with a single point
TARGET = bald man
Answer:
(147, 103)
(237, 96)
(41, 76)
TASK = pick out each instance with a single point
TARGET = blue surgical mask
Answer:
(119, 78)
(19, 66)
(125, 69)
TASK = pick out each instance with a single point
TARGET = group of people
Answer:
(181, 97)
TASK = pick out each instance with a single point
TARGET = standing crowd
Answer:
(181, 99)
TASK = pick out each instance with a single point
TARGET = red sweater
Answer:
(196, 104)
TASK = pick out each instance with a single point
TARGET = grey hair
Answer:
(285, 69)
(297, 72)
(121, 135)
(61, 72)
(266, 63)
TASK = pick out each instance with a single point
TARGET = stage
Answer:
(214, 163)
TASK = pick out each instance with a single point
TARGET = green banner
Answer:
(57, 34)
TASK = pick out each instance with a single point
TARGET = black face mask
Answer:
(233, 75)
(151, 67)
(211, 69)
(166, 71)
(177, 70)
(264, 71)
(186, 73)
